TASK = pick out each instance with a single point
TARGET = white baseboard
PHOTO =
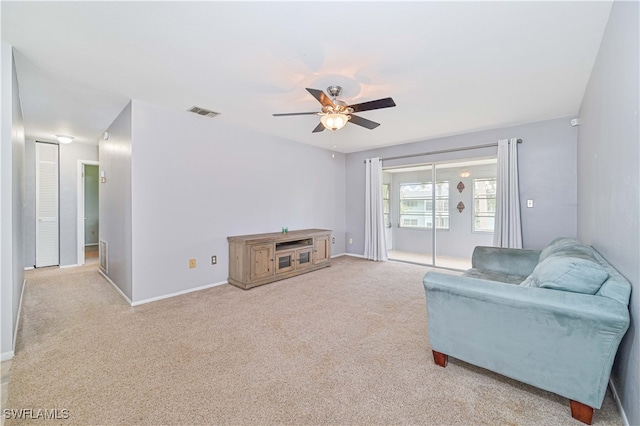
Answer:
(91, 244)
(124, 296)
(4, 356)
(28, 268)
(166, 296)
(15, 331)
(354, 255)
(69, 266)
(616, 398)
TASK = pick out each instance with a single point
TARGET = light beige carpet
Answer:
(346, 345)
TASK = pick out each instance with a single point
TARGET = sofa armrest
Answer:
(505, 260)
(558, 341)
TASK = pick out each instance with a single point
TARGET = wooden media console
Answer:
(263, 258)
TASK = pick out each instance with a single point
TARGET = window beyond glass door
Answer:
(386, 198)
(416, 205)
(484, 205)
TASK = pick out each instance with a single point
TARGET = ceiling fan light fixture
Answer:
(334, 121)
(335, 114)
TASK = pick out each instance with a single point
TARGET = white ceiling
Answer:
(451, 67)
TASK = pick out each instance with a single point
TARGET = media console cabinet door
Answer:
(285, 261)
(321, 250)
(304, 258)
(261, 261)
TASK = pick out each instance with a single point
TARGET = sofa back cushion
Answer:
(586, 260)
(564, 246)
(568, 273)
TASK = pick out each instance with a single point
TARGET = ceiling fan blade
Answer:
(377, 104)
(319, 128)
(321, 97)
(294, 113)
(363, 122)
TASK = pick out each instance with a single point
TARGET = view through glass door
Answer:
(439, 224)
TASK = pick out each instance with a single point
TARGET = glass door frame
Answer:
(395, 189)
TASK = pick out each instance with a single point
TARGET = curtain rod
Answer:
(442, 151)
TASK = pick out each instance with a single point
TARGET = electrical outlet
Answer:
(214, 260)
(350, 240)
(333, 240)
(192, 263)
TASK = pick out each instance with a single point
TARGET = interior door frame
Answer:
(80, 208)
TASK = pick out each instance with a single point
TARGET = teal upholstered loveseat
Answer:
(552, 318)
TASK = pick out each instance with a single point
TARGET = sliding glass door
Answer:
(410, 214)
(438, 213)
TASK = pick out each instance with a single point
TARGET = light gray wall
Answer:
(115, 200)
(68, 169)
(197, 181)
(547, 162)
(457, 241)
(608, 178)
(11, 203)
(69, 156)
(91, 204)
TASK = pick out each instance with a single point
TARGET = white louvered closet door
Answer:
(47, 221)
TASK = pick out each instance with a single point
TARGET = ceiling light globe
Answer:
(65, 139)
(334, 121)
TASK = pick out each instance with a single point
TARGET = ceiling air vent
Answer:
(203, 112)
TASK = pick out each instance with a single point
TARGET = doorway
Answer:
(440, 224)
(88, 217)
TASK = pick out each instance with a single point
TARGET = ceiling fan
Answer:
(336, 114)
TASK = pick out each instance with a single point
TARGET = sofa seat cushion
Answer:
(493, 276)
(568, 273)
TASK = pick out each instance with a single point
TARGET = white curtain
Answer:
(375, 247)
(508, 226)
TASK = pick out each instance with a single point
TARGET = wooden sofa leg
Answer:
(581, 412)
(440, 359)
